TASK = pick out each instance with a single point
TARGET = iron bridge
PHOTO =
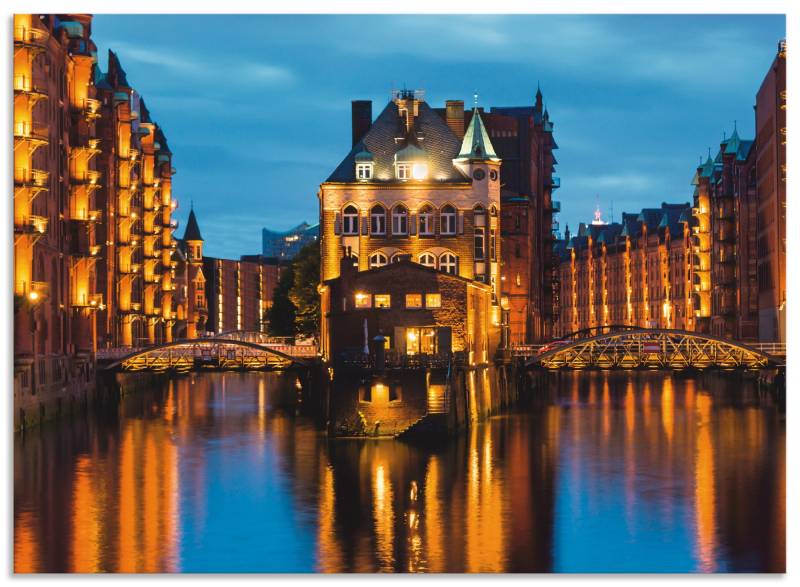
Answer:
(210, 353)
(632, 348)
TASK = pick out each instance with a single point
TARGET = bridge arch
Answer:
(220, 353)
(651, 348)
(595, 330)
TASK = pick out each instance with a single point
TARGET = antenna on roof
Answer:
(734, 125)
(709, 152)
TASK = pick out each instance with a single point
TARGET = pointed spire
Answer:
(476, 144)
(538, 103)
(192, 232)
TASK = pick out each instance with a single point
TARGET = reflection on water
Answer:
(604, 472)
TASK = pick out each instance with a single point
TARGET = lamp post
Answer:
(34, 299)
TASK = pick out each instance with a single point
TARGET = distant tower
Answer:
(598, 216)
(196, 307)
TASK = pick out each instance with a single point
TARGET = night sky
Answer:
(256, 109)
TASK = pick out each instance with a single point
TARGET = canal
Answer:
(616, 472)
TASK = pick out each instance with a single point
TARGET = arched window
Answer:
(399, 220)
(426, 227)
(397, 257)
(448, 217)
(428, 260)
(377, 219)
(448, 263)
(350, 220)
(377, 260)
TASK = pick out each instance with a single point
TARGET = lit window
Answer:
(480, 243)
(492, 244)
(413, 300)
(350, 218)
(399, 220)
(448, 263)
(363, 300)
(419, 170)
(377, 217)
(363, 171)
(383, 301)
(403, 170)
(426, 227)
(433, 300)
(448, 217)
(428, 260)
(377, 260)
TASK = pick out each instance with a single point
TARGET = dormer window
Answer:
(403, 171)
(363, 171)
(364, 165)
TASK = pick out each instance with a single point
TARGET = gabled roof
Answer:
(115, 68)
(192, 232)
(476, 145)
(388, 135)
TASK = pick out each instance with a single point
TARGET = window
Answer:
(428, 260)
(413, 300)
(448, 263)
(363, 300)
(377, 260)
(492, 244)
(363, 171)
(403, 170)
(377, 219)
(426, 227)
(448, 220)
(399, 220)
(350, 218)
(433, 300)
(383, 301)
(480, 243)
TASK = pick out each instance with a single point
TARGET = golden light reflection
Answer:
(26, 545)
(704, 490)
(86, 536)
(433, 521)
(668, 409)
(383, 513)
(328, 548)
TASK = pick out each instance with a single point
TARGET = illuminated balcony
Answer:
(34, 180)
(131, 269)
(89, 150)
(33, 87)
(152, 278)
(32, 225)
(84, 215)
(91, 108)
(701, 211)
(31, 38)
(34, 133)
(133, 308)
(93, 301)
(90, 177)
(37, 291)
(133, 154)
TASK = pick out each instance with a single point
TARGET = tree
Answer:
(295, 302)
(304, 294)
(281, 315)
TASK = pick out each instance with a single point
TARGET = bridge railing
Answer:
(776, 349)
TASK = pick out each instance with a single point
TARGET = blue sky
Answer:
(257, 108)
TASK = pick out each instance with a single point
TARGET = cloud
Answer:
(205, 66)
(627, 181)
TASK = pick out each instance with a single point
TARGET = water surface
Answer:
(628, 471)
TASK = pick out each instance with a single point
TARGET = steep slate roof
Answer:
(435, 139)
(115, 67)
(192, 232)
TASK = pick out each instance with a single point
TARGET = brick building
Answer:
(92, 212)
(522, 137)
(770, 181)
(410, 188)
(222, 295)
(635, 272)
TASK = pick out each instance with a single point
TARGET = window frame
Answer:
(377, 213)
(427, 216)
(400, 215)
(376, 303)
(430, 296)
(412, 306)
(374, 262)
(402, 170)
(448, 214)
(448, 261)
(435, 263)
(363, 171)
(479, 243)
(350, 218)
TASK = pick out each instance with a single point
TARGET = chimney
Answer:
(362, 119)
(455, 117)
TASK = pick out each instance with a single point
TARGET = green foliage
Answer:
(304, 294)
(295, 304)
(281, 315)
